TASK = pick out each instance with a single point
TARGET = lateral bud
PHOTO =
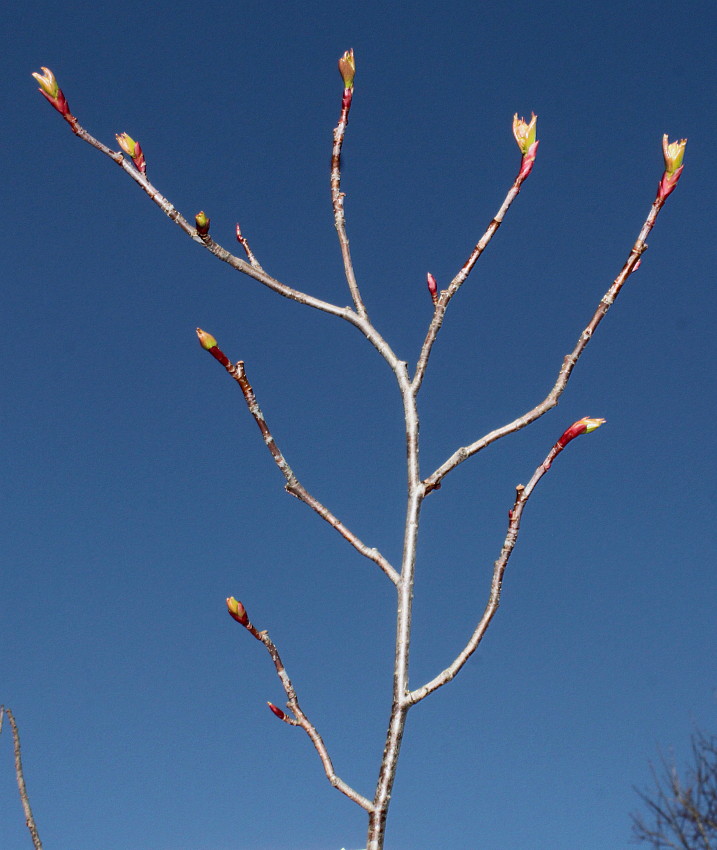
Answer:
(201, 220)
(432, 287)
(277, 711)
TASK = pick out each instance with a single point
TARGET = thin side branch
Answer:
(337, 196)
(300, 718)
(523, 493)
(252, 268)
(447, 294)
(569, 362)
(24, 799)
(293, 485)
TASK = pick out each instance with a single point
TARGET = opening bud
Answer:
(347, 68)
(47, 81)
(673, 153)
(524, 132)
(50, 90)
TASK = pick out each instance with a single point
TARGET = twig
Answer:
(523, 493)
(29, 819)
(242, 240)
(293, 485)
(238, 612)
(253, 270)
(347, 69)
(447, 294)
(631, 264)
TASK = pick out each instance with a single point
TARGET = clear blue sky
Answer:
(137, 494)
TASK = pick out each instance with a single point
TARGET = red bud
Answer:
(277, 711)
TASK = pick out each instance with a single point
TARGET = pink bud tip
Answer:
(277, 711)
(237, 611)
(432, 287)
(239, 233)
(528, 161)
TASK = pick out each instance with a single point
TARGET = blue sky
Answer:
(137, 494)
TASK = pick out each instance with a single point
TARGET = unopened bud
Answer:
(133, 150)
(277, 711)
(582, 426)
(237, 611)
(432, 287)
(202, 222)
(206, 340)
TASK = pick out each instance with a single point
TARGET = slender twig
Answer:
(252, 270)
(523, 493)
(447, 294)
(300, 718)
(631, 264)
(337, 196)
(242, 240)
(29, 819)
(293, 485)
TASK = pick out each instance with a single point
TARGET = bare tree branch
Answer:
(447, 294)
(569, 362)
(523, 493)
(238, 612)
(683, 811)
(293, 485)
(347, 69)
(24, 799)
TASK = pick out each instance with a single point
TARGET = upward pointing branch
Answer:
(29, 819)
(347, 69)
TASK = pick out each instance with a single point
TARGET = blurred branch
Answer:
(24, 799)
(683, 812)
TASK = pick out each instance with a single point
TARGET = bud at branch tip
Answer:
(50, 90)
(524, 132)
(207, 342)
(673, 152)
(237, 611)
(583, 426)
(347, 68)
